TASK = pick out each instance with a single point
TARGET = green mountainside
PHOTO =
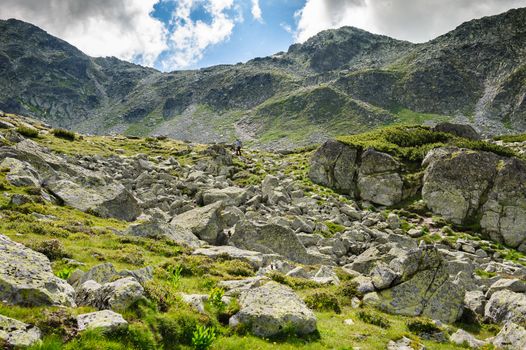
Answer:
(337, 82)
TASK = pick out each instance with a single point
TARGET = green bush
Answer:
(216, 298)
(374, 319)
(27, 131)
(348, 290)
(52, 248)
(323, 301)
(64, 134)
(422, 326)
(203, 337)
(65, 272)
(232, 268)
(176, 327)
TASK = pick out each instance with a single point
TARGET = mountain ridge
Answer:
(364, 80)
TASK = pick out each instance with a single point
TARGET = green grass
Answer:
(511, 138)
(411, 143)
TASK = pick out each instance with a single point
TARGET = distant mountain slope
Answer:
(337, 82)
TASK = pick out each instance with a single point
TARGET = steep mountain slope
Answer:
(339, 81)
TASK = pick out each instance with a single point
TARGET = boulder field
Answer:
(290, 247)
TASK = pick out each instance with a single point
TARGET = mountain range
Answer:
(338, 82)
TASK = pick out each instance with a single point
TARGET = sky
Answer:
(188, 34)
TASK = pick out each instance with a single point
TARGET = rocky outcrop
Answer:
(468, 186)
(369, 175)
(273, 309)
(460, 130)
(117, 295)
(505, 305)
(26, 278)
(511, 336)
(157, 228)
(17, 334)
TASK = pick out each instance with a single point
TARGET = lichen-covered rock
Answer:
(427, 289)
(461, 130)
(272, 239)
(105, 319)
(505, 305)
(272, 309)
(117, 295)
(379, 180)
(157, 229)
(26, 277)
(18, 334)
(106, 272)
(255, 259)
(20, 173)
(455, 181)
(108, 200)
(334, 165)
(511, 336)
(204, 222)
(229, 196)
(504, 212)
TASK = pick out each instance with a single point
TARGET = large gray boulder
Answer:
(106, 200)
(156, 229)
(334, 165)
(117, 295)
(426, 290)
(505, 305)
(255, 259)
(229, 196)
(504, 212)
(272, 308)
(379, 179)
(511, 336)
(456, 180)
(461, 130)
(17, 334)
(273, 239)
(204, 222)
(26, 277)
(105, 273)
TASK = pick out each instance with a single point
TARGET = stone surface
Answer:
(105, 319)
(256, 259)
(462, 337)
(26, 278)
(272, 239)
(17, 334)
(511, 336)
(272, 308)
(204, 222)
(157, 229)
(505, 305)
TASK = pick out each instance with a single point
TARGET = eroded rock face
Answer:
(505, 305)
(464, 185)
(204, 222)
(334, 165)
(455, 181)
(26, 277)
(272, 239)
(270, 309)
(17, 334)
(511, 336)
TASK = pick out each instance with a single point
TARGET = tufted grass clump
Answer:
(52, 248)
(422, 326)
(323, 301)
(27, 131)
(203, 337)
(64, 134)
(374, 319)
(293, 282)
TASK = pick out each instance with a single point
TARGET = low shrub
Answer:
(422, 326)
(293, 282)
(323, 301)
(27, 131)
(348, 290)
(374, 319)
(64, 134)
(177, 327)
(52, 248)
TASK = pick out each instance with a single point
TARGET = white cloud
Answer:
(121, 28)
(416, 21)
(256, 11)
(191, 38)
